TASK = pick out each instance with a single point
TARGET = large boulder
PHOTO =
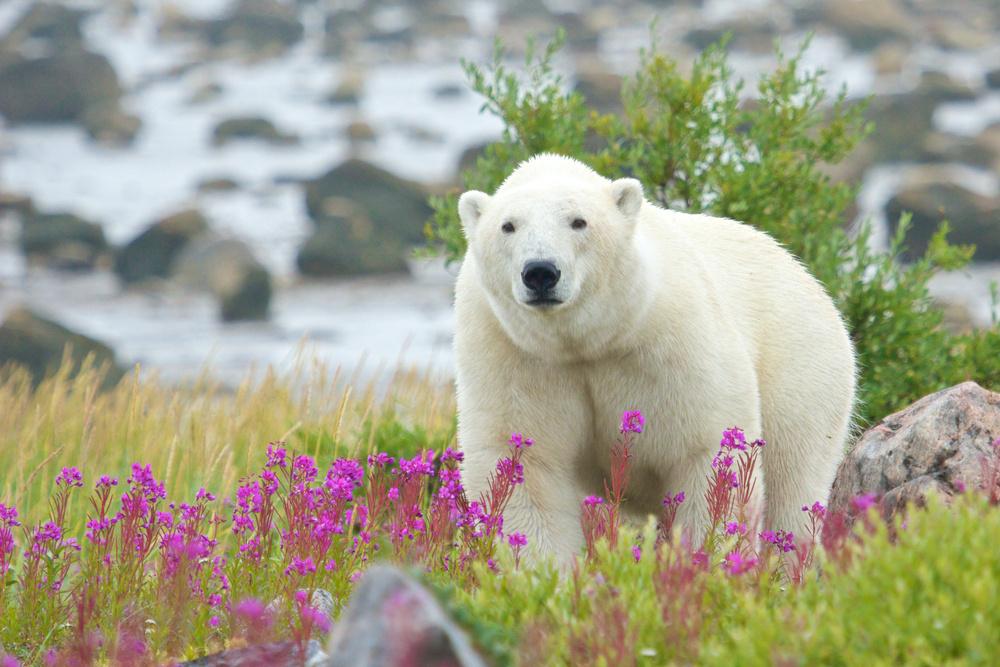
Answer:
(151, 254)
(366, 221)
(39, 344)
(228, 269)
(937, 445)
(391, 620)
(48, 76)
(62, 241)
(974, 219)
(276, 654)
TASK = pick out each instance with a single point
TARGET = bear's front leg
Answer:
(545, 507)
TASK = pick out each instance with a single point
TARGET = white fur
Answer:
(701, 323)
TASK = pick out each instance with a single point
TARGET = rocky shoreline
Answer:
(326, 174)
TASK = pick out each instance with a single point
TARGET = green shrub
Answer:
(696, 147)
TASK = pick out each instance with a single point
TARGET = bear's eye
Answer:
(579, 223)
(508, 227)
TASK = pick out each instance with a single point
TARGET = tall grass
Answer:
(203, 434)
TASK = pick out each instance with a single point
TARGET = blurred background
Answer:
(177, 177)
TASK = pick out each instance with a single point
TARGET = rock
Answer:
(39, 344)
(19, 205)
(902, 121)
(953, 33)
(746, 35)
(942, 148)
(890, 57)
(864, 23)
(250, 128)
(350, 88)
(44, 29)
(62, 241)
(974, 219)
(277, 654)
(152, 253)
(366, 221)
(601, 88)
(258, 27)
(938, 444)
(206, 93)
(359, 130)
(993, 79)
(228, 269)
(218, 185)
(391, 621)
(48, 76)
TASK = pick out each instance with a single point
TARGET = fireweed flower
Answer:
(637, 552)
(862, 503)
(70, 477)
(517, 441)
(517, 540)
(104, 481)
(780, 539)
(510, 470)
(276, 455)
(8, 516)
(592, 501)
(380, 460)
(735, 528)
(817, 510)
(204, 495)
(418, 465)
(142, 481)
(632, 422)
(736, 564)
(452, 455)
(674, 501)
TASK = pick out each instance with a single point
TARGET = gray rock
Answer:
(993, 79)
(973, 218)
(151, 254)
(392, 621)
(260, 26)
(48, 76)
(903, 121)
(936, 445)
(228, 269)
(366, 221)
(47, 26)
(276, 654)
(62, 241)
(39, 344)
(864, 23)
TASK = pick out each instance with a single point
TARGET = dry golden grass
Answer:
(201, 434)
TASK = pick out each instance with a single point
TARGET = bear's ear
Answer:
(627, 193)
(470, 208)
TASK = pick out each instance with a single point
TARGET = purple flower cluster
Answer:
(782, 541)
(632, 422)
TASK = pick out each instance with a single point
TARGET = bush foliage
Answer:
(696, 146)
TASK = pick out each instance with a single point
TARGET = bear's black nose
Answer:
(540, 276)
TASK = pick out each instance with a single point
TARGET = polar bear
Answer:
(578, 300)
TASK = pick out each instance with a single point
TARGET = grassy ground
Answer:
(175, 576)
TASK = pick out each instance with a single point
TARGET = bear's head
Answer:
(555, 242)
